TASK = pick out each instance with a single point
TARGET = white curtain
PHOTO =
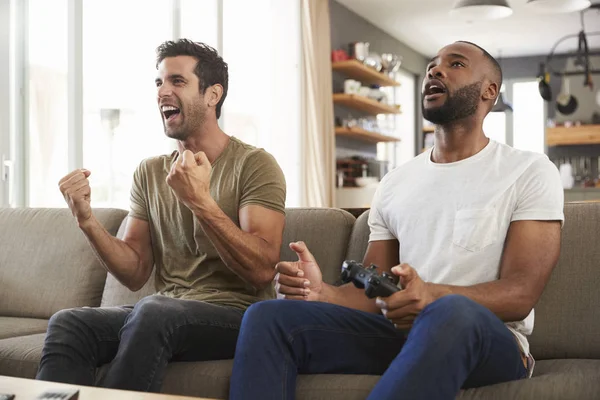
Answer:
(318, 141)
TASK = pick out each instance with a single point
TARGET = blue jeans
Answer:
(139, 341)
(454, 343)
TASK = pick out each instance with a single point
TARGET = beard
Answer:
(191, 121)
(458, 105)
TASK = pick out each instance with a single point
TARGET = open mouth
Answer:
(433, 90)
(170, 112)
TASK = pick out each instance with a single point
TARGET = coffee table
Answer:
(29, 389)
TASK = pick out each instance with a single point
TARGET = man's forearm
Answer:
(503, 297)
(349, 296)
(116, 256)
(249, 256)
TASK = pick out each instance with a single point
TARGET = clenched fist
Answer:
(190, 178)
(75, 188)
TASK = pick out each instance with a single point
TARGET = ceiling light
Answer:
(559, 6)
(481, 9)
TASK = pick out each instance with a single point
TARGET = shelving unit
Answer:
(365, 135)
(365, 104)
(575, 135)
(356, 70)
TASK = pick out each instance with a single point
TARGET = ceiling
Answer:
(426, 26)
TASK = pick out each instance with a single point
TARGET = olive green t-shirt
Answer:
(187, 264)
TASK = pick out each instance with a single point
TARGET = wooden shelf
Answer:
(357, 70)
(364, 135)
(583, 134)
(428, 129)
(364, 104)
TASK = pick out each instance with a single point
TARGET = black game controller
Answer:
(375, 285)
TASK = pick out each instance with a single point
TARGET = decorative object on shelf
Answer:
(391, 63)
(481, 9)
(351, 86)
(559, 6)
(373, 60)
(339, 55)
(359, 50)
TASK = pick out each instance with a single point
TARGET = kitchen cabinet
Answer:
(574, 135)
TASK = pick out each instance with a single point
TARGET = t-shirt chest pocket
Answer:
(475, 229)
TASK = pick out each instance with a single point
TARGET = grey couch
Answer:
(46, 265)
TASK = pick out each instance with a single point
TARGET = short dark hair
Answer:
(494, 63)
(210, 68)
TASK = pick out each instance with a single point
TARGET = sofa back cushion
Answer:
(567, 317)
(46, 263)
(324, 230)
(359, 239)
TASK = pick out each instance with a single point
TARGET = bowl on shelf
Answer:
(364, 181)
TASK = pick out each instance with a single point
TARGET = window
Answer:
(494, 124)
(261, 44)
(46, 139)
(528, 117)
(199, 21)
(402, 125)
(122, 123)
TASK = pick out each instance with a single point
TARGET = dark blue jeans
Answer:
(454, 343)
(139, 341)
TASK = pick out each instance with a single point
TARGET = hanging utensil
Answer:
(544, 85)
(566, 104)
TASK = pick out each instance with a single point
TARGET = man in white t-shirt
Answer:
(472, 230)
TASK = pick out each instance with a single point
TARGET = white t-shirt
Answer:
(451, 220)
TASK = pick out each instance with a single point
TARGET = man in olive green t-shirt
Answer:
(209, 218)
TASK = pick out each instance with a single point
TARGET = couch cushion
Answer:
(211, 379)
(552, 380)
(46, 262)
(14, 326)
(325, 231)
(359, 239)
(567, 317)
(20, 356)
